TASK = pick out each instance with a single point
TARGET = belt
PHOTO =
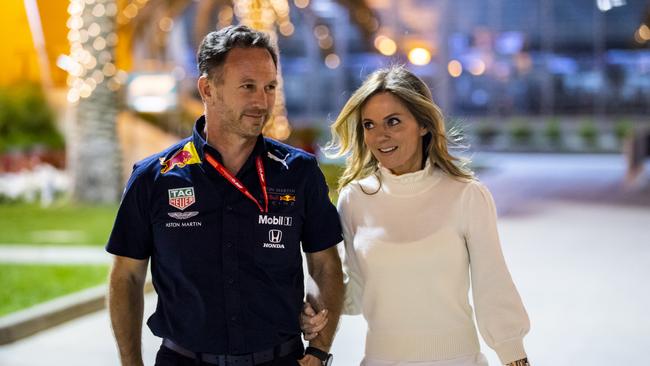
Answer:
(249, 359)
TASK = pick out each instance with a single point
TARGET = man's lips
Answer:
(255, 113)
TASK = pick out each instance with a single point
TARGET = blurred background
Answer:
(552, 98)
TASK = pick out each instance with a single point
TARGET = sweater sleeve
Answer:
(353, 277)
(500, 314)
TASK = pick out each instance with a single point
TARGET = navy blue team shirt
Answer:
(229, 278)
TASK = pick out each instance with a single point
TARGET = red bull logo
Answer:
(288, 198)
(183, 157)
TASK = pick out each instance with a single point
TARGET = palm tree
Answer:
(94, 154)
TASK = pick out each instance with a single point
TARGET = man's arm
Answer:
(325, 269)
(126, 306)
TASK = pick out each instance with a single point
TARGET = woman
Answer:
(416, 223)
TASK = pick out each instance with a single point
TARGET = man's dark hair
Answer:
(215, 46)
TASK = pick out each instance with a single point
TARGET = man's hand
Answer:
(312, 323)
(325, 291)
(309, 360)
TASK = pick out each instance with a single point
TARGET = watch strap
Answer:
(319, 354)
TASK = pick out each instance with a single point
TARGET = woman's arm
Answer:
(500, 314)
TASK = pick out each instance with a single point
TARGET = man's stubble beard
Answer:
(233, 123)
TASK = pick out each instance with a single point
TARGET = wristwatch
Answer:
(324, 357)
(522, 362)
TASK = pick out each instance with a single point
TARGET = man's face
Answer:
(244, 92)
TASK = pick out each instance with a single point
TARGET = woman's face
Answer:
(392, 134)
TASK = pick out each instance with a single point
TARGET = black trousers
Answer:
(167, 357)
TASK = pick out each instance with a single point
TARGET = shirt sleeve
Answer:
(352, 304)
(500, 314)
(132, 232)
(321, 228)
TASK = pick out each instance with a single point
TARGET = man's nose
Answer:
(262, 99)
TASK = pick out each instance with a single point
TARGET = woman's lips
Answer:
(387, 149)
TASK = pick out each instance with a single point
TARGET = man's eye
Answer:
(393, 121)
(368, 125)
(271, 88)
(248, 86)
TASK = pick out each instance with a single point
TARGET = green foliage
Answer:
(24, 285)
(553, 132)
(589, 133)
(26, 120)
(62, 225)
(623, 129)
(521, 132)
(486, 133)
(306, 138)
(332, 173)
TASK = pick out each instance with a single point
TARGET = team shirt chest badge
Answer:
(181, 198)
(282, 197)
(274, 234)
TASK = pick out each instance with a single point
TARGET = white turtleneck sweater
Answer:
(409, 251)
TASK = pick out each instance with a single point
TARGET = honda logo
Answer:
(275, 236)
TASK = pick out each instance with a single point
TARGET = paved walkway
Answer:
(47, 254)
(577, 243)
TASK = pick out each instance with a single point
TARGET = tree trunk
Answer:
(95, 157)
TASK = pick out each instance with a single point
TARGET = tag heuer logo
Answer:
(181, 198)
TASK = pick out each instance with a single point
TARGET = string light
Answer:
(301, 4)
(166, 24)
(90, 63)
(128, 13)
(477, 67)
(455, 68)
(94, 30)
(332, 61)
(286, 29)
(111, 9)
(419, 56)
(99, 10)
(326, 42)
(321, 31)
(385, 45)
(131, 11)
(644, 33)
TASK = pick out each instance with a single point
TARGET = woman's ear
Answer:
(423, 131)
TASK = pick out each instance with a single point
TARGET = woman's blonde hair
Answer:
(347, 130)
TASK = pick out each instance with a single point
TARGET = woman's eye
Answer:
(368, 125)
(393, 121)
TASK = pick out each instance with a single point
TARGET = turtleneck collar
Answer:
(409, 184)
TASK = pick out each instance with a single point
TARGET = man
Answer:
(222, 215)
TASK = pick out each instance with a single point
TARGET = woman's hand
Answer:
(310, 322)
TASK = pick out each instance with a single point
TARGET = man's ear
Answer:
(205, 89)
